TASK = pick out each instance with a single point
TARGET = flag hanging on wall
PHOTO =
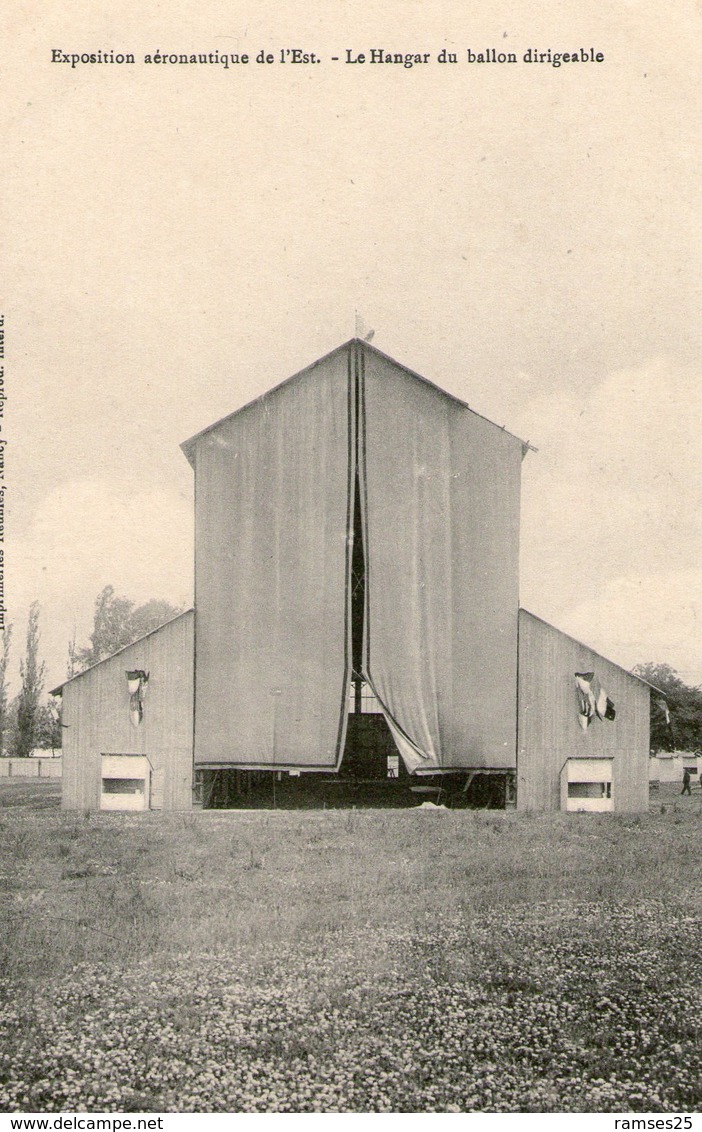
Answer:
(593, 701)
(137, 681)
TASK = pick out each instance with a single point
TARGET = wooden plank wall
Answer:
(96, 719)
(548, 728)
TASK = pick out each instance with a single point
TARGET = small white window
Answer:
(586, 784)
(589, 789)
(123, 785)
(125, 782)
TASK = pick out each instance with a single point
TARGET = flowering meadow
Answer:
(409, 961)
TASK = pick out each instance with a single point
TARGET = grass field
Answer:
(403, 961)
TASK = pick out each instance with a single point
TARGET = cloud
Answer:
(612, 508)
(635, 619)
(86, 535)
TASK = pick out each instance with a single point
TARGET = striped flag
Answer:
(137, 681)
(593, 700)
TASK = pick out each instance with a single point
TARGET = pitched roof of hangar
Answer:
(189, 446)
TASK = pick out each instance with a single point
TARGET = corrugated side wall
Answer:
(549, 731)
(96, 718)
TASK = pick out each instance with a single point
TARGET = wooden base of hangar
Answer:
(371, 774)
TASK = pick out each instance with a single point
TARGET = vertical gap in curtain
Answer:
(413, 756)
(352, 465)
(358, 567)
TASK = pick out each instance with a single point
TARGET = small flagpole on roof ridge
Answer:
(362, 329)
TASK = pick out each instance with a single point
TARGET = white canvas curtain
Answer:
(440, 509)
(272, 500)
(439, 491)
(405, 507)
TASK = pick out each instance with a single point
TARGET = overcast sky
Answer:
(528, 237)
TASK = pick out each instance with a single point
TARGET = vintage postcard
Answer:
(350, 544)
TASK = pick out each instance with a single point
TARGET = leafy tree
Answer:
(11, 726)
(151, 615)
(32, 684)
(4, 698)
(112, 628)
(118, 622)
(73, 665)
(684, 732)
(49, 732)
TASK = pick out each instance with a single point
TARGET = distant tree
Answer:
(11, 727)
(684, 704)
(117, 622)
(49, 732)
(4, 697)
(73, 665)
(32, 684)
(152, 614)
(112, 628)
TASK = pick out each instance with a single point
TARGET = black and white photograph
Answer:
(350, 562)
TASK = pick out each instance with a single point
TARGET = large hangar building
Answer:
(356, 635)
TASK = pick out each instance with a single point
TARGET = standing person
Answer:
(686, 782)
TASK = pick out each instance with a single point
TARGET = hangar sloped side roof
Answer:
(159, 628)
(582, 645)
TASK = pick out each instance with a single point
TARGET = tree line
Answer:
(31, 720)
(676, 716)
